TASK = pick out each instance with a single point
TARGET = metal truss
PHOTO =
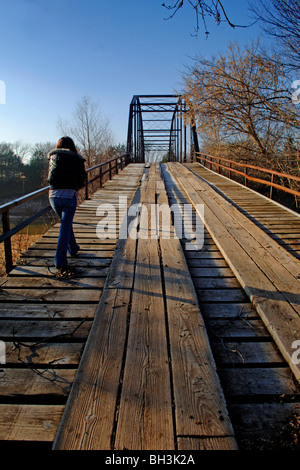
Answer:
(157, 125)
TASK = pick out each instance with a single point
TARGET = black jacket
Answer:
(66, 169)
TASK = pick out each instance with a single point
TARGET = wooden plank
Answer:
(42, 311)
(145, 412)
(20, 383)
(270, 280)
(83, 260)
(238, 327)
(252, 420)
(206, 443)
(221, 295)
(20, 328)
(50, 295)
(49, 282)
(272, 381)
(229, 310)
(83, 270)
(37, 353)
(43, 253)
(247, 353)
(35, 422)
(222, 272)
(216, 283)
(95, 390)
(200, 407)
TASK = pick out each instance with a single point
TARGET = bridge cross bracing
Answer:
(157, 128)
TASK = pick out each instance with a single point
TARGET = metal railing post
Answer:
(271, 187)
(7, 242)
(86, 187)
(100, 176)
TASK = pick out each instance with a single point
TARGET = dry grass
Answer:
(20, 243)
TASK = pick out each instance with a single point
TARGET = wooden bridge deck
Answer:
(119, 357)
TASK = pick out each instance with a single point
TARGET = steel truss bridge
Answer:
(177, 341)
(157, 128)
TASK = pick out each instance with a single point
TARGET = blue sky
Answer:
(54, 52)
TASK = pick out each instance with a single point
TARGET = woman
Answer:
(66, 176)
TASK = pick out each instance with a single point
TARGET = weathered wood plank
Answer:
(35, 422)
(48, 282)
(43, 311)
(19, 383)
(200, 407)
(43, 253)
(50, 295)
(238, 327)
(229, 310)
(247, 353)
(252, 420)
(221, 295)
(145, 413)
(45, 353)
(265, 270)
(206, 443)
(20, 328)
(272, 381)
(94, 393)
(83, 270)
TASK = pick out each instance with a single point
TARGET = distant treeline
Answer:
(24, 168)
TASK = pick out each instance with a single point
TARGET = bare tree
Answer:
(243, 98)
(203, 9)
(280, 20)
(23, 150)
(90, 129)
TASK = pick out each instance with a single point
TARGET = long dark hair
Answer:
(66, 143)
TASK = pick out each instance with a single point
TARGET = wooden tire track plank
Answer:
(266, 271)
(145, 418)
(200, 406)
(54, 329)
(95, 389)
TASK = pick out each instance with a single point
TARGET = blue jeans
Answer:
(65, 209)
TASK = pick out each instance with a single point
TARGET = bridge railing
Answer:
(242, 169)
(110, 168)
